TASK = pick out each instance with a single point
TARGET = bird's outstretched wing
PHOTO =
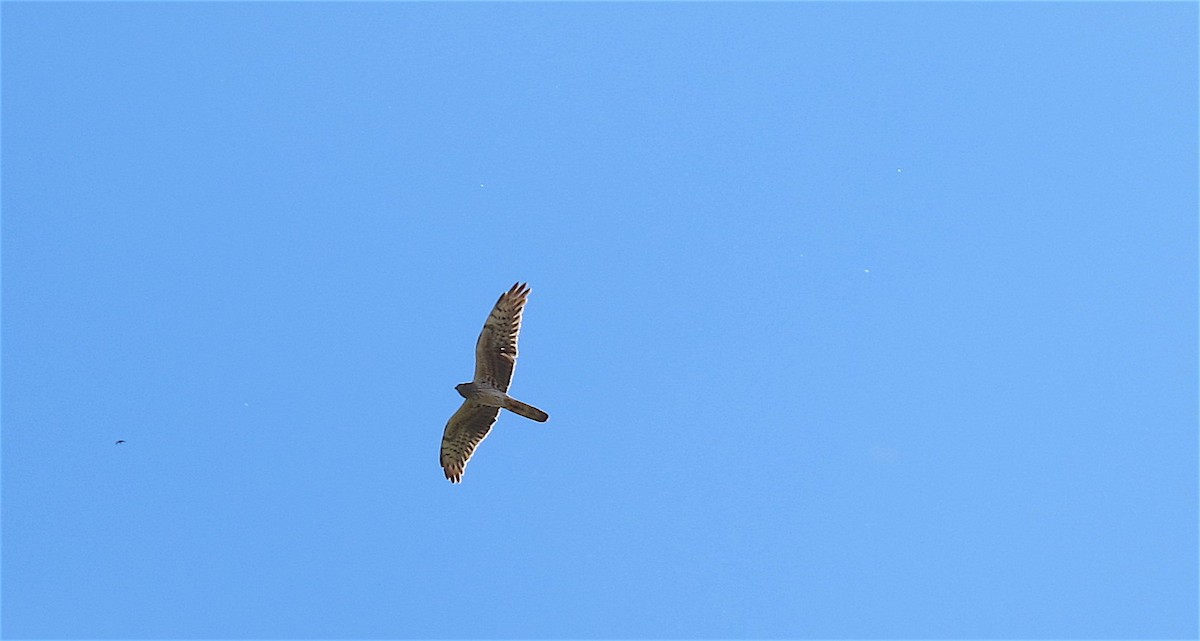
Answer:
(496, 349)
(469, 425)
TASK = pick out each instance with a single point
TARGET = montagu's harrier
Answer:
(495, 358)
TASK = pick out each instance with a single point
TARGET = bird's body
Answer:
(487, 394)
(482, 393)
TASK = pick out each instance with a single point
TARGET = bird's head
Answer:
(463, 389)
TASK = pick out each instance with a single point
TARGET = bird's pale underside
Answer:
(495, 358)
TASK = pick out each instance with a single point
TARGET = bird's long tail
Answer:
(526, 410)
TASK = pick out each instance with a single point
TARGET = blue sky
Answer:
(852, 320)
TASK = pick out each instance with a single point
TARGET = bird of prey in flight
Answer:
(119, 442)
(495, 358)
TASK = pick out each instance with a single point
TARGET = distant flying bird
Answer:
(495, 358)
(119, 442)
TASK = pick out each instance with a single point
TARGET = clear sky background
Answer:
(852, 320)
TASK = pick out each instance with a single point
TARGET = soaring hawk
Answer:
(495, 358)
